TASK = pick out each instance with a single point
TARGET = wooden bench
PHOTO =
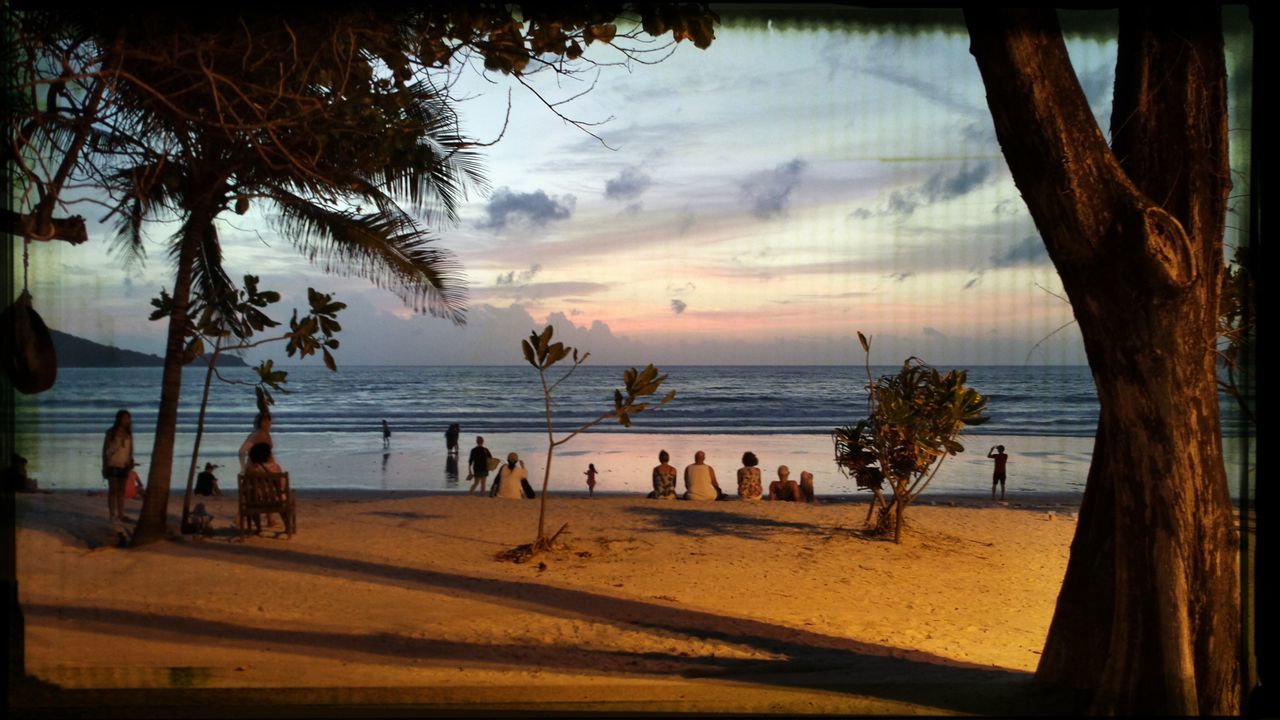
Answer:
(265, 492)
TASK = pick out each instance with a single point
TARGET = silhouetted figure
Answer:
(15, 476)
(591, 479)
(206, 483)
(451, 438)
(478, 463)
(117, 462)
(386, 434)
(997, 476)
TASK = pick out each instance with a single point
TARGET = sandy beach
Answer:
(676, 606)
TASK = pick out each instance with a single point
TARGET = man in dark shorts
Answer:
(997, 453)
(478, 462)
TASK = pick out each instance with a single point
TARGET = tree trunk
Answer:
(153, 519)
(1148, 617)
(187, 526)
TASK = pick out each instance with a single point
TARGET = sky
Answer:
(758, 202)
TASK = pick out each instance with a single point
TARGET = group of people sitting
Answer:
(700, 481)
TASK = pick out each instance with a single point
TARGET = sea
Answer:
(327, 426)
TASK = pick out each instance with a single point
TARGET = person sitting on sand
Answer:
(513, 480)
(784, 488)
(260, 461)
(998, 475)
(207, 482)
(16, 477)
(749, 487)
(700, 480)
(806, 487)
(664, 479)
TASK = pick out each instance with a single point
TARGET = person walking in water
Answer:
(386, 434)
(117, 461)
(591, 479)
(451, 438)
(479, 465)
(998, 475)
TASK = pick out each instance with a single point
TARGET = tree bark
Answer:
(1148, 617)
(153, 519)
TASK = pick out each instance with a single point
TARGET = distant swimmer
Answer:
(997, 477)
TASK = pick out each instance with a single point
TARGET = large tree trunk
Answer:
(153, 520)
(1148, 617)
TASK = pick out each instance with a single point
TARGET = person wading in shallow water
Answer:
(997, 476)
(479, 464)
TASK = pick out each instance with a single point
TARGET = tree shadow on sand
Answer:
(808, 659)
(698, 522)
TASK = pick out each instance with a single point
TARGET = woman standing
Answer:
(117, 461)
(591, 479)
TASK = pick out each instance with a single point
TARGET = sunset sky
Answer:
(767, 198)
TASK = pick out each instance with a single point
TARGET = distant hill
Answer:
(78, 352)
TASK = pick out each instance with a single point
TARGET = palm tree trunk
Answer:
(187, 527)
(153, 520)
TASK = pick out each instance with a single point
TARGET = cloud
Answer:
(941, 186)
(538, 291)
(972, 281)
(678, 306)
(535, 208)
(1027, 251)
(685, 288)
(933, 333)
(945, 186)
(628, 185)
(769, 191)
(1007, 207)
(523, 278)
(900, 276)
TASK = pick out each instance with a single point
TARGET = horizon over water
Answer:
(328, 425)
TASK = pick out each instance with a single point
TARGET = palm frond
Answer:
(388, 249)
(209, 279)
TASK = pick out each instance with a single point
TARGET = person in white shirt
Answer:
(700, 480)
(512, 477)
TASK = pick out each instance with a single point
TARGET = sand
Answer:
(390, 598)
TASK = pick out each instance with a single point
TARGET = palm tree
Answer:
(336, 172)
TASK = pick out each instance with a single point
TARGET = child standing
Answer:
(591, 479)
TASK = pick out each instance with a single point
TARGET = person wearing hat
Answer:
(206, 483)
(512, 479)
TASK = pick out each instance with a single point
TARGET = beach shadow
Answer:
(405, 515)
(685, 519)
(810, 659)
